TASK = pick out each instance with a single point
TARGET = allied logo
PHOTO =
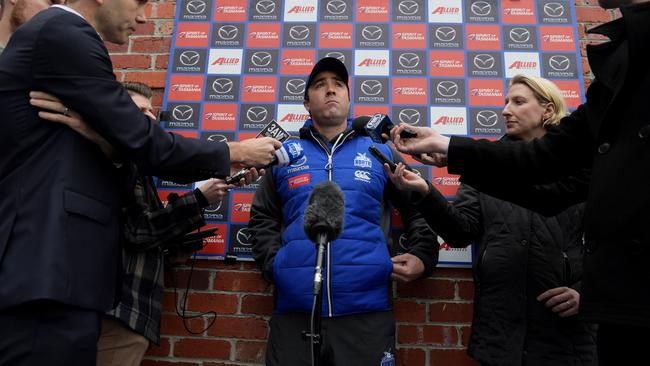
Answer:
(362, 161)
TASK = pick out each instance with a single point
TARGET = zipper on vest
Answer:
(330, 153)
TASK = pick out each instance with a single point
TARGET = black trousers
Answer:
(48, 333)
(353, 340)
(622, 344)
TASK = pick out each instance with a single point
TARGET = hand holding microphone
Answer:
(255, 152)
(287, 154)
(377, 127)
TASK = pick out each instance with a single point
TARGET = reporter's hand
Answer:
(405, 180)
(564, 301)
(428, 140)
(55, 111)
(257, 152)
(406, 267)
(435, 159)
(214, 190)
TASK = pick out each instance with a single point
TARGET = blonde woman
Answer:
(528, 267)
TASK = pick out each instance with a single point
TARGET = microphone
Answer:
(376, 125)
(323, 222)
(287, 154)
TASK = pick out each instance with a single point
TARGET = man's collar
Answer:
(69, 9)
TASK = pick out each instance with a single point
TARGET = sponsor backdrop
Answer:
(236, 65)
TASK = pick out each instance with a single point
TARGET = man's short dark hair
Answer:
(134, 87)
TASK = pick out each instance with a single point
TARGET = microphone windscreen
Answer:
(359, 125)
(324, 212)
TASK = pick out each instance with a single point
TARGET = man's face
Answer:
(24, 10)
(329, 101)
(144, 104)
(116, 19)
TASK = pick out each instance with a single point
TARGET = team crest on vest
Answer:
(362, 161)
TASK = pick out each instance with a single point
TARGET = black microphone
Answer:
(374, 126)
(287, 154)
(323, 222)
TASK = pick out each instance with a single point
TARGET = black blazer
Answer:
(60, 197)
(610, 134)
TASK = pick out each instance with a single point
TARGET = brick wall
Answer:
(433, 315)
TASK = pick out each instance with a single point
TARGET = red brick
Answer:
(202, 348)
(446, 357)
(220, 303)
(172, 324)
(147, 28)
(592, 14)
(150, 44)
(465, 334)
(409, 334)
(466, 290)
(161, 350)
(162, 62)
(155, 79)
(165, 28)
(428, 289)
(411, 357)
(164, 10)
(464, 273)
(146, 362)
(436, 334)
(130, 61)
(169, 300)
(243, 328)
(257, 304)
(247, 351)
(178, 277)
(409, 311)
(240, 281)
(450, 312)
(117, 48)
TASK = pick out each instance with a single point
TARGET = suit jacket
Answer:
(610, 134)
(60, 197)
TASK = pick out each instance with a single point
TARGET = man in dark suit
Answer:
(60, 196)
(610, 135)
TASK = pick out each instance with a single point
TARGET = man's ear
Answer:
(305, 103)
(549, 110)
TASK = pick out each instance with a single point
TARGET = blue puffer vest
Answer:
(357, 267)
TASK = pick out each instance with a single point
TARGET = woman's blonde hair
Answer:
(546, 92)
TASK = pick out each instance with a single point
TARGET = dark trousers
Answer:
(48, 333)
(353, 340)
(622, 344)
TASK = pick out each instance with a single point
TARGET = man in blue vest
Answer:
(358, 327)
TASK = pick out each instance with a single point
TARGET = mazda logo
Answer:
(445, 34)
(337, 55)
(228, 32)
(217, 138)
(299, 32)
(519, 35)
(214, 208)
(244, 237)
(222, 85)
(554, 10)
(559, 62)
(336, 7)
(295, 86)
(481, 8)
(409, 60)
(487, 118)
(408, 7)
(189, 58)
(447, 88)
(265, 7)
(403, 242)
(182, 112)
(256, 114)
(484, 61)
(371, 32)
(261, 58)
(196, 7)
(371, 87)
(409, 116)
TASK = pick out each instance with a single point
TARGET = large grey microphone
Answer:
(323, 218)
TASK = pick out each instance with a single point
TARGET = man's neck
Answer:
(329, 132)
(87, 10)
(5, 29)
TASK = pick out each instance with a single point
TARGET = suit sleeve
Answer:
(265, 225)
(422, 241)
(565, 149)
(85, 82)
(458, 223)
